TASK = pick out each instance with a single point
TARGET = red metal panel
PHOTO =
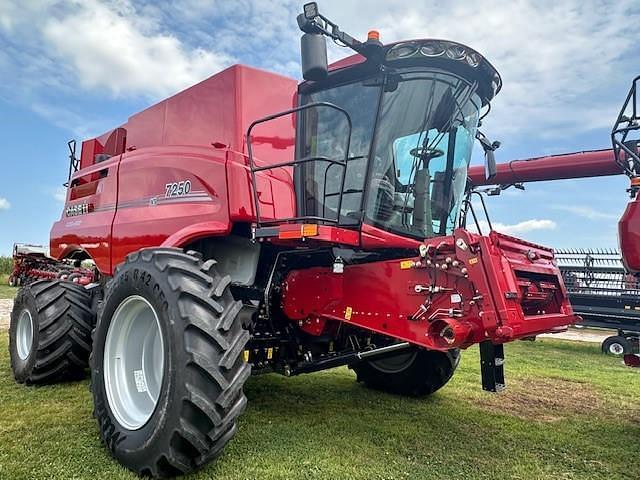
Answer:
(475, 287)
(148, 213)
(90, 231)
(116, 143)
(216, 110)
(90, 148)
(629, 235)
(373, 237)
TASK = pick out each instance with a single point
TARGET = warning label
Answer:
(141, 385)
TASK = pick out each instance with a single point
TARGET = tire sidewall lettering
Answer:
(137, 281)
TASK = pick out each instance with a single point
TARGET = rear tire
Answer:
(416, 373)
(617, 345)
(50, 332)
(195, 382)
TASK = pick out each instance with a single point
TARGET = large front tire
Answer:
(169, 405)
(417, 372)
(50, 332)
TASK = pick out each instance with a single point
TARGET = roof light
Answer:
(373, 35)
(402, 50)
(432, 49)
(456, 52)
(473, 59)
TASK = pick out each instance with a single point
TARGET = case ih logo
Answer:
(78, 209)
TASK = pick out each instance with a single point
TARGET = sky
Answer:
(75, 69)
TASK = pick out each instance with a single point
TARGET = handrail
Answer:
(255, 169)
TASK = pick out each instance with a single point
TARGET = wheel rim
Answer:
(134, 362)
(24, 334)
(396, 363)
(616, 349)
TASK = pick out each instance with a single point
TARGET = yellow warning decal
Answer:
(347, 313)
(406, 264)
(269, 353)
(245, 355)
(473, 261)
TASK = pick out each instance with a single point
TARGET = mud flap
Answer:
(492, 366)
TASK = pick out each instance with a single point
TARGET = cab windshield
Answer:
(408, 156)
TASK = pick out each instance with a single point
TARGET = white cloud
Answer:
(107, 47)
(60, 194)
(587, 212)
(4, 204)
(565, 65)
(525, 226)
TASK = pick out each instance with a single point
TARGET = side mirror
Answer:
(313, 50)
(490, 169)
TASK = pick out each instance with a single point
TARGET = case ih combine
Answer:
(229, 240)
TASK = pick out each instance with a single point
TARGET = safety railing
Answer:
(298, 162)
(628, 122)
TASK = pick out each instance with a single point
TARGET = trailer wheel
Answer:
(50, 332)
(417, 372)
(167, 367)
(616, 345)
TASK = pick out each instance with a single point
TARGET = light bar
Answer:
(435, 48)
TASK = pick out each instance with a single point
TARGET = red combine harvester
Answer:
(229, 240)
(623, 158)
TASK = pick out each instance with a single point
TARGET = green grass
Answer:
(5, 290)
(571, 413)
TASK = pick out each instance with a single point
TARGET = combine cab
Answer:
(230, 239)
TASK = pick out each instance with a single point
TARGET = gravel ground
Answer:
(5, 312)
(582, 335)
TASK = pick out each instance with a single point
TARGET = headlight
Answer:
(402, 50)
(432, 49)
(456, 52)
(443, 49)
(473, 59)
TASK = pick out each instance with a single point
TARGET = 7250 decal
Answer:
(177, 189)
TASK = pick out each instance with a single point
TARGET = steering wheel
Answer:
(426, 153)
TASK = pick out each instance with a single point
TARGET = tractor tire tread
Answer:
(209, 387)
(64, 319)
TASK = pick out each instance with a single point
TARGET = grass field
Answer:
(5, 290)
(570, 413)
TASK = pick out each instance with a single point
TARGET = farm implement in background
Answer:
(604, 294)
(32, 263)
